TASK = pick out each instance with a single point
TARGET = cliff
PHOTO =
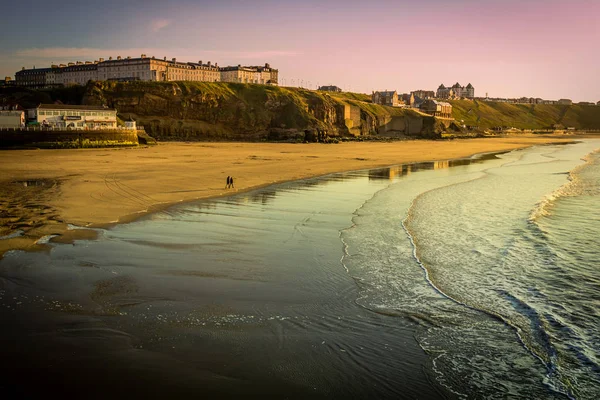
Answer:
(231, 111)
(488, 115)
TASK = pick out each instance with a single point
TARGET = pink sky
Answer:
(509, 48)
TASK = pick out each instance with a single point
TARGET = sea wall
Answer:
(68, 139)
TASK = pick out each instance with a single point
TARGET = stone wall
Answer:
(68, 139)
(403, 124)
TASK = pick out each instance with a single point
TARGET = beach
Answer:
(432, 279)
(42, 192)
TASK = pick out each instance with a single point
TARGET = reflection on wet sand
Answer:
(406, 169)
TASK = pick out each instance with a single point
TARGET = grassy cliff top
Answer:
(525, 116)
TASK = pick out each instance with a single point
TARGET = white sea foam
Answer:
(45, 239)
(573, 187)
(12, 235)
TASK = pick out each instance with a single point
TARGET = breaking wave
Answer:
(573, 187)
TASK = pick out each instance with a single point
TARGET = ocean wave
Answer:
(522, 317)
(575, 186)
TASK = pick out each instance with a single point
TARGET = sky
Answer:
(504, 48)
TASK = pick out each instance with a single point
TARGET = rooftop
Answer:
(387, 93)
(72, 107)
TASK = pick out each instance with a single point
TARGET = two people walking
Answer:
(229, 182)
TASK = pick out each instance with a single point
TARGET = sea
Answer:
(463, 279)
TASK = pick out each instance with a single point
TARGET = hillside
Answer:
(232, 111)
(487, 115)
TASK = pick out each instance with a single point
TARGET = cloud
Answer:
(251, 54)
(65, 54)
(159, 24)
(70, 53)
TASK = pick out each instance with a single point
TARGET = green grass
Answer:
(525, 116)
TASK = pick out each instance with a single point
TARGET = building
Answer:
(455, 92)
(73, 74)
(423, 94)
(437, 108)
(252, 74)
(444, 93)
(131, 125)
(408, 99)
(567, 102)
(7, 81)
(11, 117)
(598, 103)
(33, 78)
(62, 116)
(385, 98)
(142, 69)
(330, 89)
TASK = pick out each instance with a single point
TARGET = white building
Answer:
(143, 69)
(12, 119)
(62, 116)
(250, 74)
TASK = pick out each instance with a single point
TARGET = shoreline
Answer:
(48, 190)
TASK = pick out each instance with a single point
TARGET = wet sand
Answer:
(43, 191)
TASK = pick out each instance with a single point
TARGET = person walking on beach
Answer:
(228, 182)
(231, 181)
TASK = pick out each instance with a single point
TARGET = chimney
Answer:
(173, 59)
(208, 63)
(200, 62)
(165, 58)
(267, 65)
(216, 65)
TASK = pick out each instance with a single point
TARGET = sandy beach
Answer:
(43, 191)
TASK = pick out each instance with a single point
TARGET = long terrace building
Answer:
(144, 69)
(62, 116)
